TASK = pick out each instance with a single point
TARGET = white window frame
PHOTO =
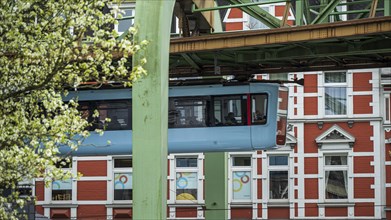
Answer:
(123, 6)
(49, 190)
(120, 170)
(340, 8)
(322, 174)
(387, 109)
(247, 18)
(279, 168)
(335, 85)
(200, 177)
(251, 169)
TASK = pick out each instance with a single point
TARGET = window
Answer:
(254, 23)
(387, 109)
(335, 93)
(127, 11)
(278, 76)
(278, 177)
(119, 112)
(241, 178)
(336, 177)
(229, 110)
(62, 189)
(123, 187)
(187, 112)
(125, 24)
(259, 108)
(186, 179)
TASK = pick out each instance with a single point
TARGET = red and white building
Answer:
(336, 164)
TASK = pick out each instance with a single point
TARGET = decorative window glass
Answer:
(259, 108)
(241, 178)
(278, 177)
(335, 93)
(336, 177)
(123, 184)
(186, 179)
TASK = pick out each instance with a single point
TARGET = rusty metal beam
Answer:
(373, 8)
(209, 15)
(280, 36)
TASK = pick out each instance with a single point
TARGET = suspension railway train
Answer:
(201, 118)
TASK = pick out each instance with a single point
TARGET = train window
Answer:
(228, 110)
(186, 112)
(259, 109)
(119, 112)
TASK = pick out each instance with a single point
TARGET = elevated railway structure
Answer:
(325, 35)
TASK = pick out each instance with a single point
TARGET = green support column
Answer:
(300, 12)
(387, 7)
(150, 111)
(216, 186)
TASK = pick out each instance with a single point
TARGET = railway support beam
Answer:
(150, 111)
(216, 186)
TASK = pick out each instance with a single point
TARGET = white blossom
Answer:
(46, 48)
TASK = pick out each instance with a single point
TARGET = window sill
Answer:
(60, 205)
(119, 205)
(278, 204)
(336, 204)
(241, 204)
(185, 204)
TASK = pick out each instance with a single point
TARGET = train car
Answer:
(201, 118)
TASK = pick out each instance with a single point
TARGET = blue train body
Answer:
(211, 137)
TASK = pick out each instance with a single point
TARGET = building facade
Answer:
(336, 163)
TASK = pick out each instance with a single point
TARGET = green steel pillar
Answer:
(216, 186)
(387, 7)
(300, 12)
(150, 111)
